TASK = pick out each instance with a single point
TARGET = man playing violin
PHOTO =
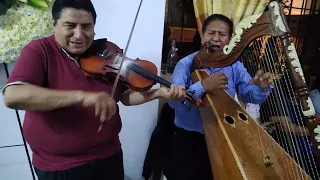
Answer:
(190, 156)
(64, 108)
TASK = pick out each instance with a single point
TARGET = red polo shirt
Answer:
(66, 137)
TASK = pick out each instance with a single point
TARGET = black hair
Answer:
(59, 5)
(215, 17)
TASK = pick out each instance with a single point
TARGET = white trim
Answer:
(13, 83)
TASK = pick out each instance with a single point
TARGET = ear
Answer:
(202, 37)
(53, 26)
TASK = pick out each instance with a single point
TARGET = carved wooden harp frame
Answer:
(233, 150)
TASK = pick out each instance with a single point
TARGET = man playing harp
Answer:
(190, 156)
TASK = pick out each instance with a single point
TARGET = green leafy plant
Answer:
(34, 3)
(22, 22)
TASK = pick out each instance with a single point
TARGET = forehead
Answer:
(75, 16)
(218, 25)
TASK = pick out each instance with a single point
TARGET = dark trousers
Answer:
(110, 168)
(190, 156)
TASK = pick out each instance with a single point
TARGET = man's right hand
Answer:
(215, 81)
(105, 106)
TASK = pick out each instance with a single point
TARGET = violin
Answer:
(103, 60)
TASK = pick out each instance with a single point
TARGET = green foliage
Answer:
(8, 3)
(42, 4)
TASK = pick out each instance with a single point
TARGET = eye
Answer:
(70, 26)
(87, 27)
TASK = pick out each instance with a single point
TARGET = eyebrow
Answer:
(225, 31)
(68, 22)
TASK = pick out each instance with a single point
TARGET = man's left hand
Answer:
(174, 93)
(261, 79)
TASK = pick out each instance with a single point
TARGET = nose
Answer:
(215, 37)
(78, 32)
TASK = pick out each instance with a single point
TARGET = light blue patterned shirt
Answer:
(189, 118)
(315, 98)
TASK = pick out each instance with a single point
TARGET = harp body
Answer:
(238, 147)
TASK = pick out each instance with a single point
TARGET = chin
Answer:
(77, 51)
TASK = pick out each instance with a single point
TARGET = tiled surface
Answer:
(14, 164)
(10, 133)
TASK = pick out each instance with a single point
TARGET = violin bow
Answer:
(124, 55)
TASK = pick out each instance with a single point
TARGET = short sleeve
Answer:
(29, 67)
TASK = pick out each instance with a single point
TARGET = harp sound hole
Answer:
(229, 120)
(243, 117)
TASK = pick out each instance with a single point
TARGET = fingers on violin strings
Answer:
(177, 92)
(181, 92)
(172, 91)
(183, 88)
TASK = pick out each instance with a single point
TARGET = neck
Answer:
(71, 56)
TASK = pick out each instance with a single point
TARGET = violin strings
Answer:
(142, 71)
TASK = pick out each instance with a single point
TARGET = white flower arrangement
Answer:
(22, 23)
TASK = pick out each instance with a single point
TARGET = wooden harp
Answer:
(238, 146)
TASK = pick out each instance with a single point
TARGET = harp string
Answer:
(293, 112)
(256, 132)
(260, 47)
(269, 56)
(248, 58)
(296, 115)
(304, 147)
(281, 100)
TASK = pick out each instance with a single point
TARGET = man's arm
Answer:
(35, 98)
(132, 98)
(24, 89)
(180, 77)
(250, 92)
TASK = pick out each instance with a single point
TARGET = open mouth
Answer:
(215, 48)
(76, 43)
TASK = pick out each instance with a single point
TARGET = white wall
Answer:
(115, 19)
